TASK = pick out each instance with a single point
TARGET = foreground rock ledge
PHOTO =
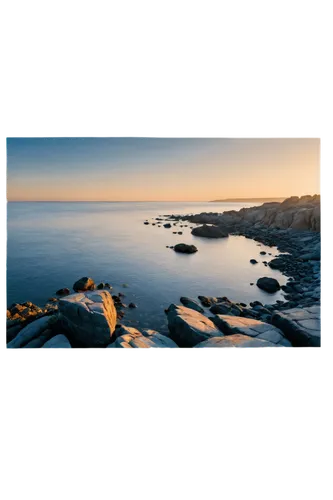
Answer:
(88, 318)
(188, 327)
(300, 325)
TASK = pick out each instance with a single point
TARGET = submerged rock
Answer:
(183, 248)
(270, 285)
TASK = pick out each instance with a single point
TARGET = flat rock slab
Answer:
(300, 325)
(128, 337)
(30, 332)
(59, 341)
(188, 327)
(236, 340)
(88, 318)
(231, 325)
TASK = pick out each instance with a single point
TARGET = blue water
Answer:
(51, 245)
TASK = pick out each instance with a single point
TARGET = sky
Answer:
(147, 169)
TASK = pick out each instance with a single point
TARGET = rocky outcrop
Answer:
(128, 337)
(210, 231)
(88, 318)
(188, 327)
(300, 325)
(295, 213)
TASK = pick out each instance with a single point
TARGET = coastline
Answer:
(301, 264)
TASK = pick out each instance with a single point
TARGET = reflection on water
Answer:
(51, 245)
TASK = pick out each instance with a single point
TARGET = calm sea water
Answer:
(51, 245)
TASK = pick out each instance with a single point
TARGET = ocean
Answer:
(51, 245)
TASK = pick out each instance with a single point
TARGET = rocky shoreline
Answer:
(93, 317)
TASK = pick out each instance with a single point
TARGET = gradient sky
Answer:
(143, 169)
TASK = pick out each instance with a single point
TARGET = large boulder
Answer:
(188, 327)
(84, 284)
(59, 341)
(212, 231)
(129, 337)
(191, 304)
(88, 318)
(231, 325)
(31, 331)
(236, 340)
(184, 248)
(300, 325)
(270, 285)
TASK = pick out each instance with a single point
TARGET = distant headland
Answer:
(239, 200)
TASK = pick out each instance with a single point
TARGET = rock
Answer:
(253, 261)
(227, 308)
(107, 285)
(30, 332)
(12, 331)
(167, 226)
(146, 223)
(100, 286)
(256, 303)
(188, 327)
(310, 256)
(180, 232)
(183, 248)
(270, 285)
(262, 253)
(63, 291)
(208, 301)
(59, 341)
(129, 337)
(300, 325)
(131, 305)
(212, 231)
(231, 325)
(40, 340)
(191, 304)
(236, 341)
(277, 263)
(84, 284)
(88, 318)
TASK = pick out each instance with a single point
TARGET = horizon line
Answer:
(148, 201)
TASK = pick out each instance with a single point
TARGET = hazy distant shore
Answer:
(249, 200)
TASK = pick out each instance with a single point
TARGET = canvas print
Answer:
(163, 243)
